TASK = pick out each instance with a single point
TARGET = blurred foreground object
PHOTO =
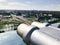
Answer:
(31, 34)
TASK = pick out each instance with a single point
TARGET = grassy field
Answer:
(3, 23)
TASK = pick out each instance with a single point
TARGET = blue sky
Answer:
(30, 4)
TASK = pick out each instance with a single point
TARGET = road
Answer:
(23, 19)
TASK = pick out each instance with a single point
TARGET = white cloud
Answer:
(52, 7)
(28, 2)
(25, 6)
(3, 0)
(17, 4)
(14, 5)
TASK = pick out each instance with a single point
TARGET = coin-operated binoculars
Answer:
(38, 24)
(32, 35)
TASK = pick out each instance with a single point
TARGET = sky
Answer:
(53, 5)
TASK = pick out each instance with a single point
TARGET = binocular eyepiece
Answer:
(31, 34)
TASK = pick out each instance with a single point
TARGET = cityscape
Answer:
(10, 19)
(29, 22)
(16, 17)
